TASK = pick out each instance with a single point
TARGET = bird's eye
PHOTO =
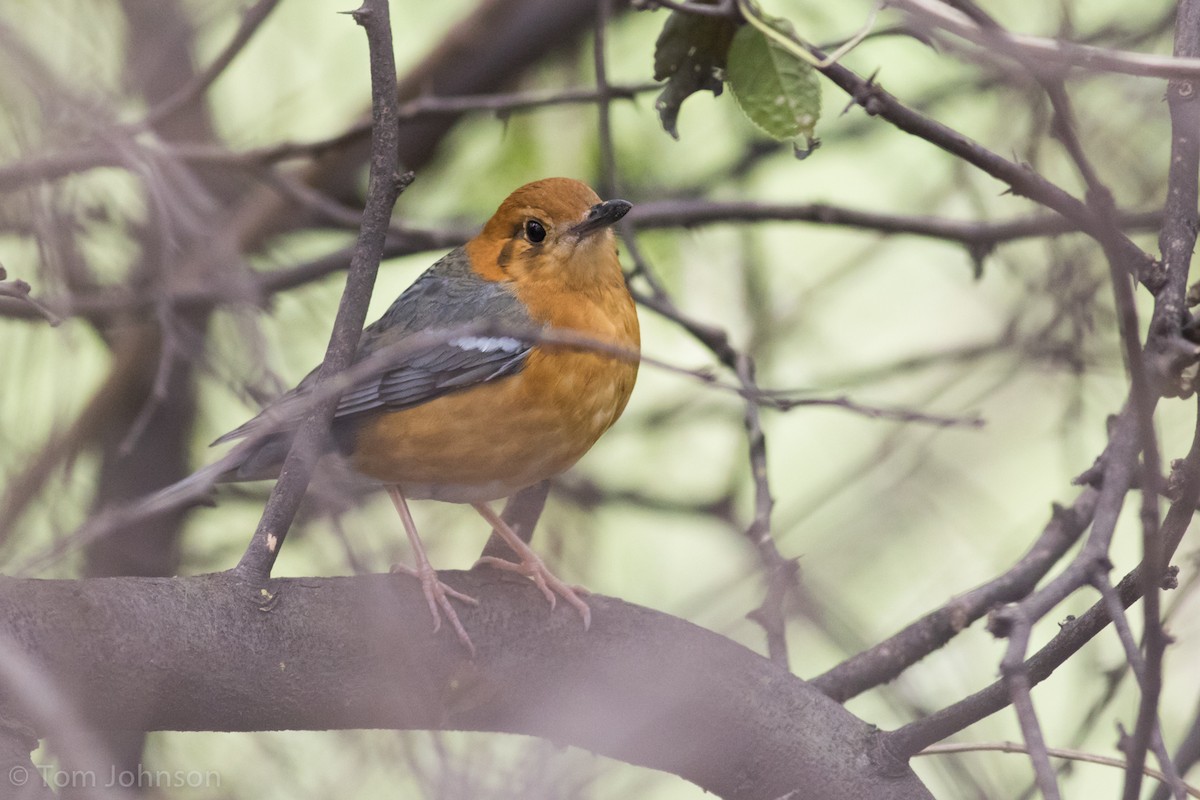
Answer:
(535, 231)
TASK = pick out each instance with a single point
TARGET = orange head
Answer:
(555, 229)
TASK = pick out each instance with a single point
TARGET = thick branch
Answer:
(218, 653)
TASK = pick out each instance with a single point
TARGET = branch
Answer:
(1177, 240)
(1185, 757)
(54, 166)
(975, 234)
(780, 573)
(886, 660)
(252, 19)
(1019, 177)
(1073, 634)
(216, 652)
(979, 237)
(385, 185)
(1050, 54)
(1057, 752)
(19, 290)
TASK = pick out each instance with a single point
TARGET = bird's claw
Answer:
(437, 596)
(551, 586)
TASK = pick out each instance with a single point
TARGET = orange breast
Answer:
(492, 439)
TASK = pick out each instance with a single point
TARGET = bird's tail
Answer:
(193, 490)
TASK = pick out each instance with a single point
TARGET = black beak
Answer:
(600, 216)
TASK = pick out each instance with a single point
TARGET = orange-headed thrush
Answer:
(475, 418)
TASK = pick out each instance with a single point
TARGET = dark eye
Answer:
(535, 231)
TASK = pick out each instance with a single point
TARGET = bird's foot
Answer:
(438, 595)
(532, 566)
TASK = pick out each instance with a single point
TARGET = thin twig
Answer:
(750, 13)
(722, 8)
(1051, 53)
(1186, 755)
(781, 572)
(286, 414)
(384, 187)
(252, 19)
(608, 158)
(1022, 180)
(1072, 635)
(1057, 752)
(1177, 241)
(979, 237)
(55, 166)
(20, 291)
(886, 660)
(1148, 670)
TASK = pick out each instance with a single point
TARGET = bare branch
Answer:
(55, 166)
(979, 236)
(1057, 752)
(718, 8)
(385, 185)
(1022, 180)
(252, 19)
(1049, 53)
(886, 660)
(218, 652)
(1073, 634)
(20, 291)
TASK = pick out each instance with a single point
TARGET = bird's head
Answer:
(552, 229)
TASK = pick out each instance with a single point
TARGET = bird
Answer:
(483, 411)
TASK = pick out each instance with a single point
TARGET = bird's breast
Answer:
(492, 439)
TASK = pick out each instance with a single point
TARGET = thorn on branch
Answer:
(1000, 623)
(1176, 480)
(20, 290)
(866, 96)
(1123, 740)
(978, 251)
(1170, 579)
(1062, 515)
(1183, 89)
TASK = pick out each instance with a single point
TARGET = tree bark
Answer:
(217, 653)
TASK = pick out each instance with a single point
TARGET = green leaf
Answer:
(690, 57)
(779, 92)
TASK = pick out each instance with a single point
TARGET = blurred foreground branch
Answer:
(218, 653)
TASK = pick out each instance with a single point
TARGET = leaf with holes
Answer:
(779, 92)
(690, 57)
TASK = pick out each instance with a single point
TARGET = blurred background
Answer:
(194, 261)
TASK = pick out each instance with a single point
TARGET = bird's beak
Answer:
(601, 216)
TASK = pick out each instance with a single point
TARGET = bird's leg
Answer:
(437, 594)
(531, 565)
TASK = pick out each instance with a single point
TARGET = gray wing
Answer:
(435, 371)
(448, 295)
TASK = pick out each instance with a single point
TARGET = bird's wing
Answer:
(448, 296)
(436, 370)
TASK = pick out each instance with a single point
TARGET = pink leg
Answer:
(437, 594)
(531, 565)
